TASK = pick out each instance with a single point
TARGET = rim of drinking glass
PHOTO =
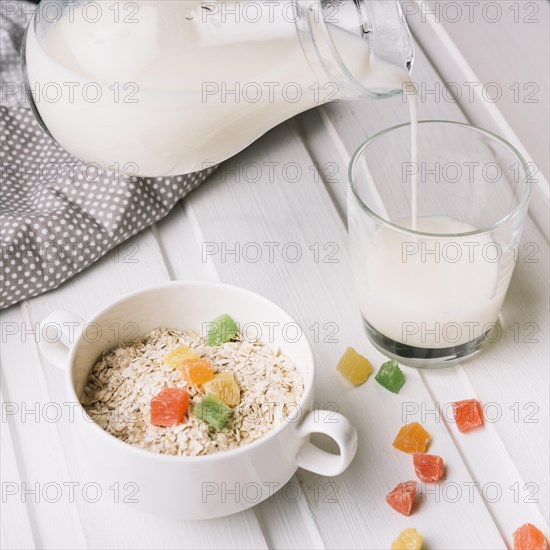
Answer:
(387, 223)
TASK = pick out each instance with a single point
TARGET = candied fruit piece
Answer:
(408, 539)
(528, 537)
(221, 329)
(169, 407)
(224, 387)
(213, 411)
(468, 414)
(390, 376)
(197, 371)
(412, 438)
(177, 356)
(428, 468)
(401, 499)
(354, 367)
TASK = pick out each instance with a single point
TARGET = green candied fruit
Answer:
(390, 376)
(213, 411)
(222, 329)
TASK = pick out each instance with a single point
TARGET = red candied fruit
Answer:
(428, 468)
(468, 414)
(528, 537)
(401, 499)
(169, 407)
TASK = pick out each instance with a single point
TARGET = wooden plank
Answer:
(16, 525)
(289, 527)
(507, 47)
(181, 227)
(531, 139)
(190, 258)
(31, 416)
(108, 524)
(512, 498)
(349, 511)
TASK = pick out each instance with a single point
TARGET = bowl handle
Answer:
(337, 427)
(58, 332)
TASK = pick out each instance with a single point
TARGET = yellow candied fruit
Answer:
(354, 367)
(412, 438)
(408, 539)
(224, 387)
(178, 356)
(197, 371)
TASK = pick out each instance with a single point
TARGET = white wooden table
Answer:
(497, 476)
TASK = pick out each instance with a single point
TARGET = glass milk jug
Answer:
(164, 87)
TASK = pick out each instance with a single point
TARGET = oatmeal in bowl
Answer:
(188, 416)
(181, 393)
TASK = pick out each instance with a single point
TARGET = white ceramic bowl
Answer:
(205, 486)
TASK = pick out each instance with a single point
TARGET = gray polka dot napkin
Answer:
(58, 215)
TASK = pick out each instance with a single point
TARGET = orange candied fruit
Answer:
(224, 387)
(528, 537)
(197, 371)
(412, 438)
(468, 414)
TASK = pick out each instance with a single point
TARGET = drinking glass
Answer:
(431, 296)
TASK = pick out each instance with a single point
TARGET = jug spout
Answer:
(329, 30)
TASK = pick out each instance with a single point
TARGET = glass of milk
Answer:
(431, 296)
